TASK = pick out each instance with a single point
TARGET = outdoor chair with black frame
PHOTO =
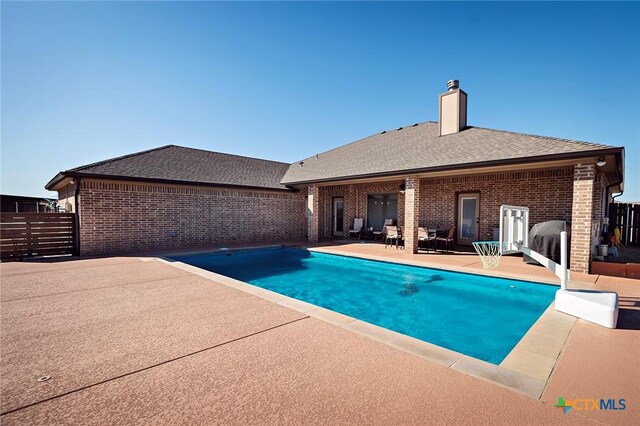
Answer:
(392, 235)
(448, 240)
(380, 234)
(358, 224)
(424, 238)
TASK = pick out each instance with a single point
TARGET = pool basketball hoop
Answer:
(596, 306)
(489, 252)
(514, 233)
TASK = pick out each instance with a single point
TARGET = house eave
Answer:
(53, 183)
(537, 161)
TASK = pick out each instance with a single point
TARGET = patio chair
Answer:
(400, 242)
(358, 223)
(381, 233)
(392, 235)
(424, 237)
(448, 240)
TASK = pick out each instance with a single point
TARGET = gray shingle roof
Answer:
(176, 163)
(419, 147)
(409, 149)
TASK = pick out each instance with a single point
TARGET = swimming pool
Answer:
(483, 317)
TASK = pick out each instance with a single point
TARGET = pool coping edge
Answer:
(537, 352)
(510, 378)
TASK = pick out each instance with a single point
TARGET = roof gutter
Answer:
(57, 178)
(77, 175)
(448, 167)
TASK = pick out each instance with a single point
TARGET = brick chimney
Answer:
(452, 106)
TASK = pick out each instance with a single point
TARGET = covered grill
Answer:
(544, 238)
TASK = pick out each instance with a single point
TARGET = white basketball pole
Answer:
(563, 260)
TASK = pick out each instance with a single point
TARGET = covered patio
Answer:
(467, 203)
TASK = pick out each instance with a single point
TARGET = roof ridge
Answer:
(122, 157)
(366, 137)
(541, 136)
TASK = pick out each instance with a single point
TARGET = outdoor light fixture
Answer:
(601, 162)
(403, 187)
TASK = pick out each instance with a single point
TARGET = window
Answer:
(381, 207)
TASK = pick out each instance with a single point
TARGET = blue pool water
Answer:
(480, 316)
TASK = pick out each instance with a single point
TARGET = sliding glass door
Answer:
(381, 207)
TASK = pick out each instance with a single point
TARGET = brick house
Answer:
(441, 173)
(175, 197)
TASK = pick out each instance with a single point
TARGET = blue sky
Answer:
(82, 82)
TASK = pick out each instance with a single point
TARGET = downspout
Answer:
(76, 199)
(613, 197)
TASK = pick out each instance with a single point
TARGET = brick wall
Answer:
(547, 193)
(325, 208)
(124, 216)
(583, 216)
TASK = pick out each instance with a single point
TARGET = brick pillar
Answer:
(411, 213)
(350, 213)
(581, 217)
(313, 214)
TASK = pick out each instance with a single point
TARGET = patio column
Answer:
(411, 213)
(313, 213)
(350, 203)
(582, 217)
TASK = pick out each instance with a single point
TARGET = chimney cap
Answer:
(453, 84)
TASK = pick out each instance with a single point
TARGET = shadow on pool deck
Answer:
(133, 341)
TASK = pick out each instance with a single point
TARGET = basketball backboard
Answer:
(514, 228)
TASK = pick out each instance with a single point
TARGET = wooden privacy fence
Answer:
(37, 234)
(627, 218)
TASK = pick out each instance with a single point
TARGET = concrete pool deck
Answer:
(131, 341)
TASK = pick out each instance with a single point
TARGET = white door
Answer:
(468, 218)
(338, 217)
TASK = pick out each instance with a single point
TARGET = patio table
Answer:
(367, 234)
